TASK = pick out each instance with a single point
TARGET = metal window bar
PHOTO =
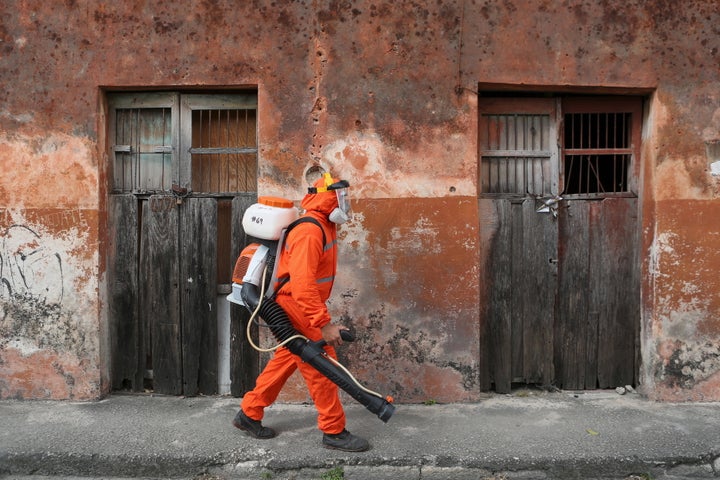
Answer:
(224, 150)
(597, 152)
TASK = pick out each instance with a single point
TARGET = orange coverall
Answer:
(311, 267)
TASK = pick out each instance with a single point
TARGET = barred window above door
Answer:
(565, 145)
(202, 143)
(598, 150)
(224, 150)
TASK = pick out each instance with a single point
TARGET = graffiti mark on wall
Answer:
(31, 283)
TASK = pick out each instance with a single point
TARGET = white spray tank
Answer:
(265, 220)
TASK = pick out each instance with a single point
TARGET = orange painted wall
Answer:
(386, 93)
(686, 322)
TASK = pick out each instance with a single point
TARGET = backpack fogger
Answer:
(269, 221)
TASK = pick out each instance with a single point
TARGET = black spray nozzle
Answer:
(346, 336)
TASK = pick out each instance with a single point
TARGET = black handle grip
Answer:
(344, 334)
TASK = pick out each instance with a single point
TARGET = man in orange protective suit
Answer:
(306, 271)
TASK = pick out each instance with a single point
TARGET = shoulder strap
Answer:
(282, 281)
(305, 220)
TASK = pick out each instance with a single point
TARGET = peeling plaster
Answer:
(712, 148)
(25, 347)
(421, 238)
(660, 247)
(715, 169)
(41, 260)
(19, 118)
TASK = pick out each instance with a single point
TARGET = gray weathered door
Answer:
(598, 311)
(563, 294)
(177, 196)
(560, 238)
(522, 283)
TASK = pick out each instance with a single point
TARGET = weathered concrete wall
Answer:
(682, 318)
(49, 259)
(386, 94)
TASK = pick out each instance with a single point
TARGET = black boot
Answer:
(345, 441)
(253, 427)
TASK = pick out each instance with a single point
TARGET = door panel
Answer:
(498, 320)
(522, 280)
(539, 274)
(125, 331)
(615, 281)
(574, 349)
(198, 278)
(599, 297)
(160, 295)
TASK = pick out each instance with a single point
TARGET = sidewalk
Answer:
(527, 435)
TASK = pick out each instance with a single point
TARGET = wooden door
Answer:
(522, 284)
(562, 272)
(597, 325)
(563, 294)
(163, 274)
(163, 283)
(178, 194)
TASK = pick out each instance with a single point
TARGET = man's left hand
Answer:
(331, 334)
